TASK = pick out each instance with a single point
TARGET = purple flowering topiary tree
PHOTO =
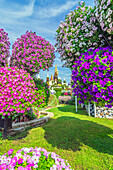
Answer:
(92, 77)
(32, 53)
(4, 48)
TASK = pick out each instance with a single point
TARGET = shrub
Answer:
(17, 91)
(58, 93)
(29, 158)
(43, 90)
(93, 76)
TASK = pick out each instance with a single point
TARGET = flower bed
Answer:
(29, 158)
(64, 99)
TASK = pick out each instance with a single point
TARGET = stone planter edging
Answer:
(17, 127)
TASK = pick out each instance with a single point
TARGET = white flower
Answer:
(80, 45)
(76, 40)
(110, 25)
(109, 20)
(104, 7)
(109, 11)
(109, 31)
(108, 2)
(86, 30)
(77, 53)
(100, 35)
(84, 43)
(61, 26)
(109, 38)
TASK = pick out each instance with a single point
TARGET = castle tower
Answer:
(56, 75)
(51, 77)
(47, 79)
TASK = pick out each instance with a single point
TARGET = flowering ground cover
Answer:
(85, 142)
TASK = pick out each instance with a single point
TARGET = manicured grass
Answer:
(85, 142)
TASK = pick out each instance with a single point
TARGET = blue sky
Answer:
(40, 16)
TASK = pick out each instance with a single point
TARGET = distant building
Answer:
(55, 81)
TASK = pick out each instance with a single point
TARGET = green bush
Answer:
(58, 93)
(43, 88)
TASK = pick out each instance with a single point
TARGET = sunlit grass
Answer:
(86, 142)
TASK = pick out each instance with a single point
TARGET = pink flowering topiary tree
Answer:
(4, 48)
(17, 91)
(32, 53)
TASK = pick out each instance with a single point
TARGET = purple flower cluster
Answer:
(92, 75)
(24, 161)
(17, 91)
(4, 47)
(32, 53)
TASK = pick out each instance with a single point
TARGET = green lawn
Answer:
(85, 142)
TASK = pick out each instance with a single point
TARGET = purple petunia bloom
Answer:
(98, 95)
(85, 90)
(90, 79)
(95, 68)
(104, 60)
(111, 87)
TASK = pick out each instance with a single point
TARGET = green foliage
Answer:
(53, 101)
(58, 93)
(45, 163)
(43, 88)
(57, 89)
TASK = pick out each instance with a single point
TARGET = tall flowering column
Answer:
(17, 92)
(32, 53)
(4, 48)
(92, 77)
(79, 32)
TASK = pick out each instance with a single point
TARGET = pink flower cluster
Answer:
(24, 156)
(32, 53)
(66, 93)
(4, 47)
(17, 91)
(64, 98)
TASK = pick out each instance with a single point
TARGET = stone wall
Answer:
(98, 111)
